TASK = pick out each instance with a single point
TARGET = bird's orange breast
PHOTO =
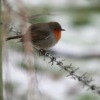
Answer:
(57, 34)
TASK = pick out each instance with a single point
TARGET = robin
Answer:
(43, 35)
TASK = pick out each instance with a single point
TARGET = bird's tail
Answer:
(14, 37)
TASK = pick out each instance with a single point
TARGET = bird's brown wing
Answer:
(39, 34)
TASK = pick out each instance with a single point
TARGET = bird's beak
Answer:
(63, 30)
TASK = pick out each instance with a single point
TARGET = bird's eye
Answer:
(55, 29)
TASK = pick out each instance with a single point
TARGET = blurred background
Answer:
(79, 45)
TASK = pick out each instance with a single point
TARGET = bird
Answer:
(42, 35)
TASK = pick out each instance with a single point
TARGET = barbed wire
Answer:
(72, 72)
